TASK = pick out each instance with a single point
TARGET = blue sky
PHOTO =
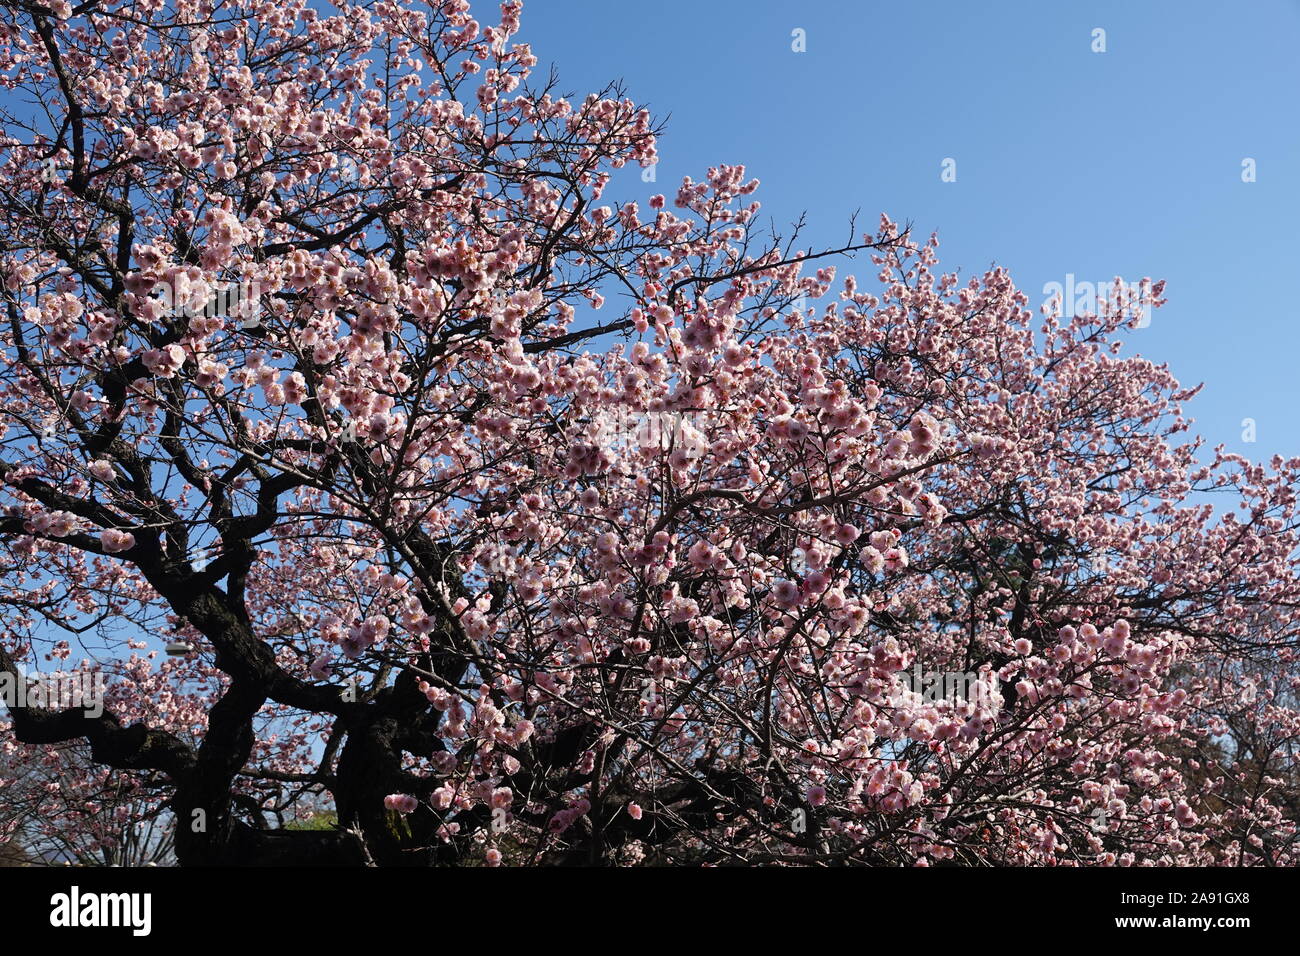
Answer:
(1127, 162)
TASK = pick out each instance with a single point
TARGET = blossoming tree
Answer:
(518, 523)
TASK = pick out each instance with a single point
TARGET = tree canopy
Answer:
(490, 517)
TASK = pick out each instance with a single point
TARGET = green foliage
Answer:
(317, 821)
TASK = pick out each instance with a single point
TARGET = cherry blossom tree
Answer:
(61, 807)
(514, 523)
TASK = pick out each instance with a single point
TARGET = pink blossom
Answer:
(115, 541)
(401, 802)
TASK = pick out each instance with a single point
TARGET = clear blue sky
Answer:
(1127, 162)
